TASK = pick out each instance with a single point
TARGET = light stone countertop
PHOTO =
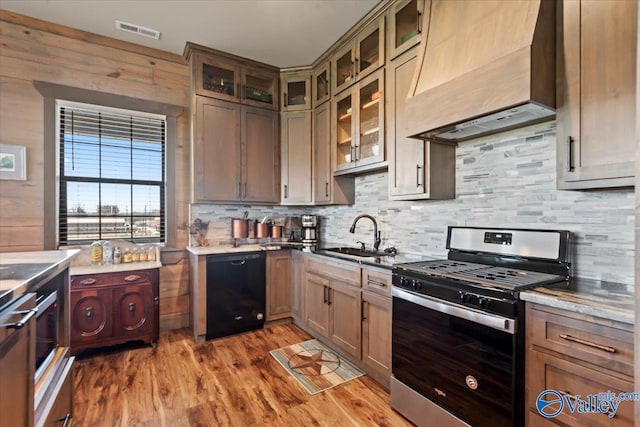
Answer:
(613, 301)
(76, 270)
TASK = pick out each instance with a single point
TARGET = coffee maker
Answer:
(309, 231)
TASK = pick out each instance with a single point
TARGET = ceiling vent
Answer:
(137, 29)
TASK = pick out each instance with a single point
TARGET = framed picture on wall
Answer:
(13, 162)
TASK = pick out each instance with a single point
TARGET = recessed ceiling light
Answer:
(137, 29)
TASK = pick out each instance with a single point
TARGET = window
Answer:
(111, 174)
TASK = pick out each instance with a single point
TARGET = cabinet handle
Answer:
(285, 100)
(329, 295)
(419, 23)
(418, 168)
(89, 281)
(28, 314)
(363, 310)
(326, 189)
(324, 295)
(588, 343)
(244, 189)
(609, 413)
(356, 67)
(89, 312)
(286, 191)
(132, 278)
(238, 90)
(355, 153)
(376, 283)
(570, 141)
(132, 307)
(65, 420)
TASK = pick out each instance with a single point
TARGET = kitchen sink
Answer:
(355, 252)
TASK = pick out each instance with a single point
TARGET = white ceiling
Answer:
(283, 33)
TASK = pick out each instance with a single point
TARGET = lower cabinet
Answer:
(113, 308)
(349, 307)
(279, 270)
(577, 356)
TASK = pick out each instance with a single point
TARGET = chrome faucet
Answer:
(376, 233)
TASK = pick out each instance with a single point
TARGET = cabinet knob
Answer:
(89, 312)
(132, 278)
(132, 307)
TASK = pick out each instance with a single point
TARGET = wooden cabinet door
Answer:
(279, 293)
(344, 110)
(261, 160)
(370, 48)
(91, 318)
(296, 91)
(216, 78)
(405, 22)
(321, 84)
(296, 158)
(596, 114)
(376, 334)
(216, 151)
(322, 171)
(316, 307)
(406, 155)
(345, 312)
(369, 139)
(343, 71)
(133, 310)
(298, 280)
(260, 87)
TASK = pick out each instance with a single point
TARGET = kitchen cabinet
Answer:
(113, 308)
(279, 286)
(358, 124)
(576, 354)
(418, 169)
(296, 171)
(321, 84)
(376, 323)
(332, 303)
(222, 77)
(296, 90)
(235, 153)
(596, 94)
(327, 189)
(298, 278)
(405, 22)
(359, 57)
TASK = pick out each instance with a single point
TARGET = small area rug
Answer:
(315, 366)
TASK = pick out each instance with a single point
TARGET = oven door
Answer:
(461, 359)
(46, 331)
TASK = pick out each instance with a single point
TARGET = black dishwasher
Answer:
(235, 293)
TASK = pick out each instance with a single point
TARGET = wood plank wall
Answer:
(32, 50)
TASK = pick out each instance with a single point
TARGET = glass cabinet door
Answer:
(259, 88)
(405, 25)
(342, 68)
(343, 114)
(296, 91)
(321, 90)
(370, 49)
(217, 79)
(370, 147)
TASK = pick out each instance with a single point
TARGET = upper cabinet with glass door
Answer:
(405, 25)
(235, 81)
(359, 57)
(296, 90)
(358, 124)
(321, 87)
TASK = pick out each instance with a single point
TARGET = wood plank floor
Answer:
(230, 381)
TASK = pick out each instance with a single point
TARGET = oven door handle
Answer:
(491, 320)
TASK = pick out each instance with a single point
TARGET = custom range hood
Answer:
(484, 66)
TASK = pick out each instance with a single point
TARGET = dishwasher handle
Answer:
(235, 259)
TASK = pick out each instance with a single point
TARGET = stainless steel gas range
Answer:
(458, 325)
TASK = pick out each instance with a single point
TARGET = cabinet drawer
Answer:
(606, 346)
(331, 268)
(112, 279)
(547, 372)
(60, 406)
(376, 280)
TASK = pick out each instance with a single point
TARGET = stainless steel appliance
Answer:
(309, 230)
(47, 322)
(235, 293)
(458, 325)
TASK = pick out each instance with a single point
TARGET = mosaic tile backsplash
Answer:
(504, 180)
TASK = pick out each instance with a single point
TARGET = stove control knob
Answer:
(484, 302)
(464, 297)
(415, 284)
(404, 282)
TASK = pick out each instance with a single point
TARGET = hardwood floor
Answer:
(230, 381)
